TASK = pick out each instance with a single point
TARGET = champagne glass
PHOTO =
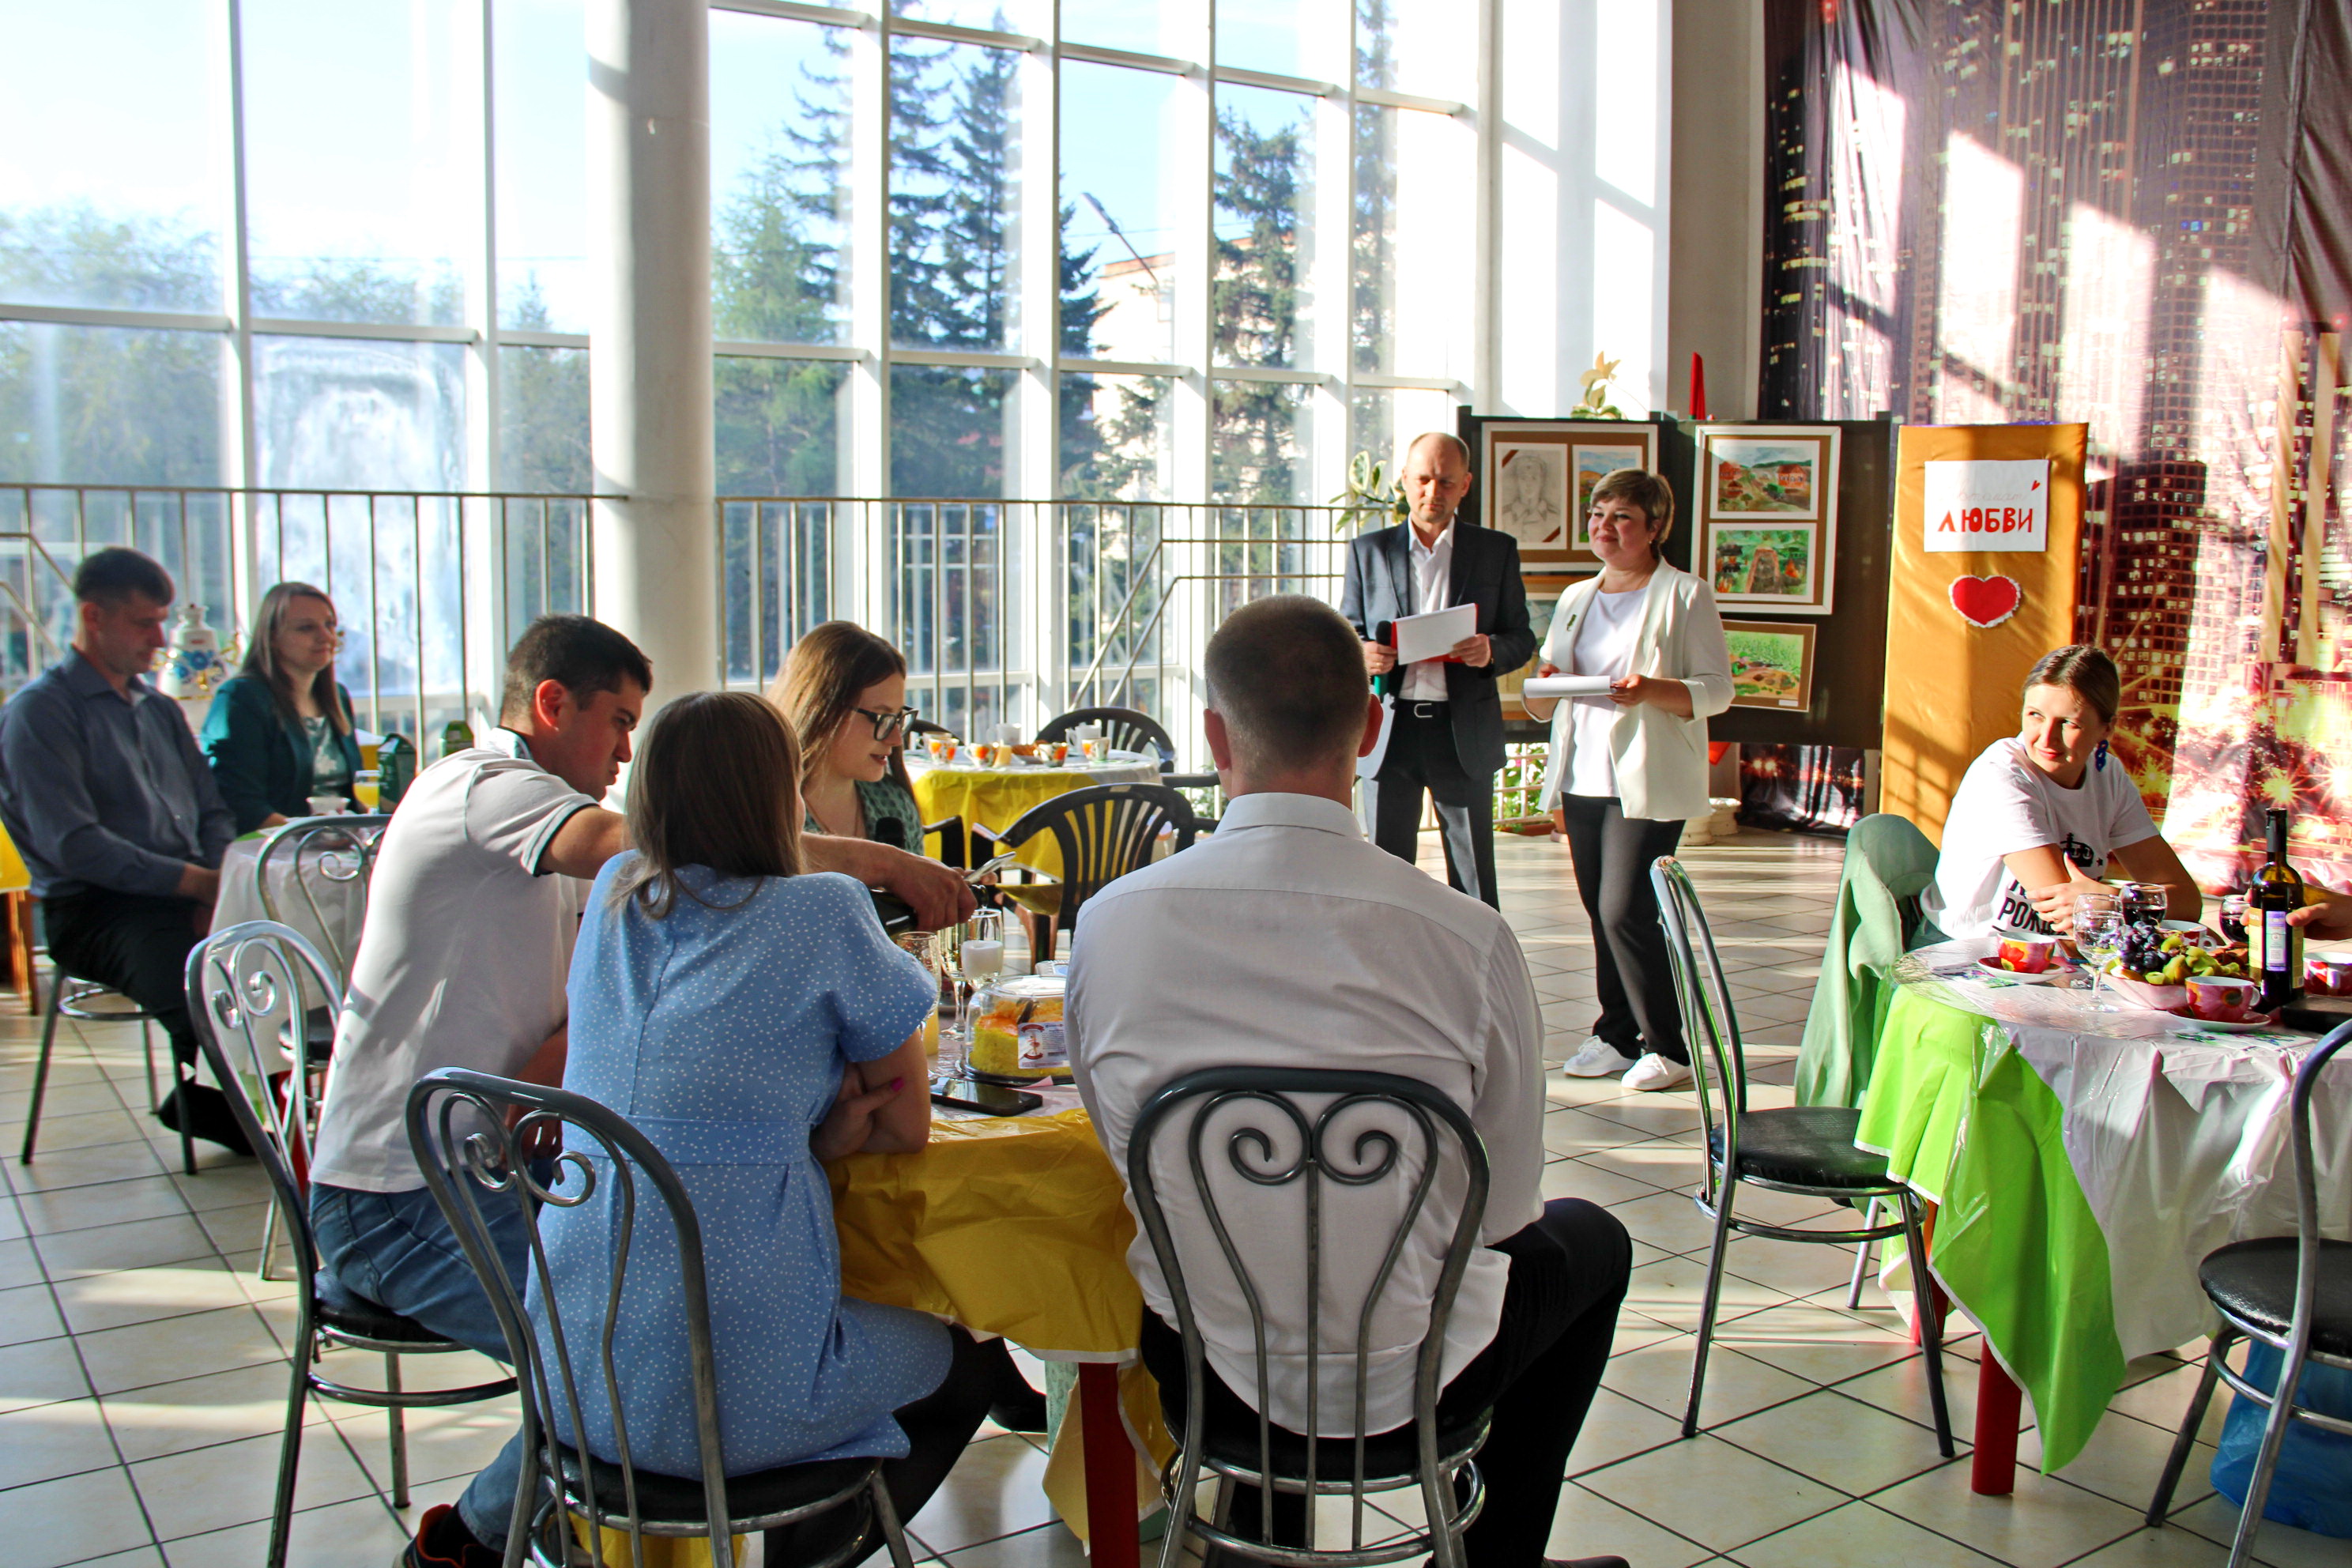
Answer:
(2099, 935)
(367, 788)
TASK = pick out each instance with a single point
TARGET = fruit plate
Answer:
(2245, 1025)
(2141, 993)
(1990, 969)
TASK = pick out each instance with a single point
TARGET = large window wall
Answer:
(1187, 250)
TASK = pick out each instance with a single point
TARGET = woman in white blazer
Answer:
(1628, 768)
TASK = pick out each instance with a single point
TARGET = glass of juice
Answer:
(367, 788)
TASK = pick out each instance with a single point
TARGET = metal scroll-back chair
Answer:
(1322, 1135)
(472, 1133)
(71, 996)
(1804, 1149)
(2293, 1293)
(247, 990)
(1104, 832)
(329, 858)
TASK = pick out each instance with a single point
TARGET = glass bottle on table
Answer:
(2275, 947)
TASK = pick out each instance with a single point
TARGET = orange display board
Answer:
(1983, 583)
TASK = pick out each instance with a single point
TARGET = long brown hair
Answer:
(819, 683)
(261, 658)
(713, 787)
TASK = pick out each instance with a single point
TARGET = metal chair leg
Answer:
(2185, 1440)
(1707, 1308)
(894, 1535)
(2258, 1484)
(289, 1447)
(147, 1049)
(268, 1240)
(398, 1421)
(185, 1077)
(1862, 1259)
(1931, 1321)
(41, 1068)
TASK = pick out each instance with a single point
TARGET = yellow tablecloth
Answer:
(995, 798)
(1016, 1227)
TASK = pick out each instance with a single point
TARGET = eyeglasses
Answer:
(890, 723)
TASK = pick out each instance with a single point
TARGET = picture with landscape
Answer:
(1750, 478)
(1763, 564)
(1593, 464)
(1771, 664)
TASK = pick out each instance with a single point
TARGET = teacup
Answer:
(1054, 753)
(943, 748)
(2025, 951)
(327, 804)
(1095, 748)
(2328, 974)
(2223, 998)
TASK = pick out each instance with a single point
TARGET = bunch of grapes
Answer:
(2143, 947)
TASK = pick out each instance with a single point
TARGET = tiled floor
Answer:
(142, 1384)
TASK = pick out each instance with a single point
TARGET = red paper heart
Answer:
(1986, 600)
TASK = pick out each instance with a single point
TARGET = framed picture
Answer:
(1536, 476)
(1544, 590)
(1772, 663)
(1767, 515)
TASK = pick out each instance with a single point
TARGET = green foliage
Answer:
(1371, 498)
(1255, 452)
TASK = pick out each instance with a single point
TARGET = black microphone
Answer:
(1390, 682)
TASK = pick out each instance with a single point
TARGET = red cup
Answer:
(2024, 952)
(2222, 998)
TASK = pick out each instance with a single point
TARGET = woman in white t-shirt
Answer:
(2040, 814)
(1629, 767)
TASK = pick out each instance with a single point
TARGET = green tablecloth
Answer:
(1967, 1122)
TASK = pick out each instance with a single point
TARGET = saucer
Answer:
(1990, 969)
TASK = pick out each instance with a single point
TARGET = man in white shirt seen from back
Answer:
(1286, 939)
(473, 908)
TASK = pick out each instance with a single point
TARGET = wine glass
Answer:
(2099, 936)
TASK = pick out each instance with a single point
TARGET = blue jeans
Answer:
(394, 1249)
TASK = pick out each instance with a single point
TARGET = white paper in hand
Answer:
(1433, 636)
(1545, 687)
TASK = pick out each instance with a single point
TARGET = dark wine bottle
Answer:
(2275, 893)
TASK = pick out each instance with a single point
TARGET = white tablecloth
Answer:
(2178, 1134)
(330, 916)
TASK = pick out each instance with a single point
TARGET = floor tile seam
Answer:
(1637, 1513)
(1974, 1551)
(113, 1441)
(1705, 1430)
(351, 1453)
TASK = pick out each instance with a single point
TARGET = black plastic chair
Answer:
(249, 990)
(1807, 1148)
(1323, 1134)
(2293, 1293)
(1103, 831)
(470, 1132)
(1126, 729)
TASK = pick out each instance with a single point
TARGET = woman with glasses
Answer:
(843, 691)
(280, 731)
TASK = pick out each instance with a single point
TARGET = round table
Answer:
(2083, 1164)
(995, 798)
(326, 909)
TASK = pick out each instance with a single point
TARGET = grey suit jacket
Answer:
(1380, 588)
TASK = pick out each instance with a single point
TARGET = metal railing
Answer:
(1008, 611)
(431, 585)
(1011, 611)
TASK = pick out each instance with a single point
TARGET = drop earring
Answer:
(2099, 757)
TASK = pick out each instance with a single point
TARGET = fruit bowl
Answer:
(2141, 993)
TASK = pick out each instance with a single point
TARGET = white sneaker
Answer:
(1595, 1058)
(1654, 1072)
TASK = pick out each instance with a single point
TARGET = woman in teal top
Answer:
(280, 731)
(843, 691)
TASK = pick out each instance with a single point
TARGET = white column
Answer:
(649, 335)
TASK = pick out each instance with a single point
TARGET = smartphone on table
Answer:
(987, 1099)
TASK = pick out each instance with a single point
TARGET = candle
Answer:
(982, 958)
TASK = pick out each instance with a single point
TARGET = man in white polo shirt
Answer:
(1286, 939)
(473, 909)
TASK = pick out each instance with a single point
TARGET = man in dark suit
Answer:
(1446, 729)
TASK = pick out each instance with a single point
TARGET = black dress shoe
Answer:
(207, 1114)
(1586, 1563)
(1022, 1412)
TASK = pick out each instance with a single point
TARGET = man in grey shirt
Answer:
(110, 803)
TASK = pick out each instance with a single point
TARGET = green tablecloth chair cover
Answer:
(1888, 862)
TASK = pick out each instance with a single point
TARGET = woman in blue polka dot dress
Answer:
(751, 1020)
